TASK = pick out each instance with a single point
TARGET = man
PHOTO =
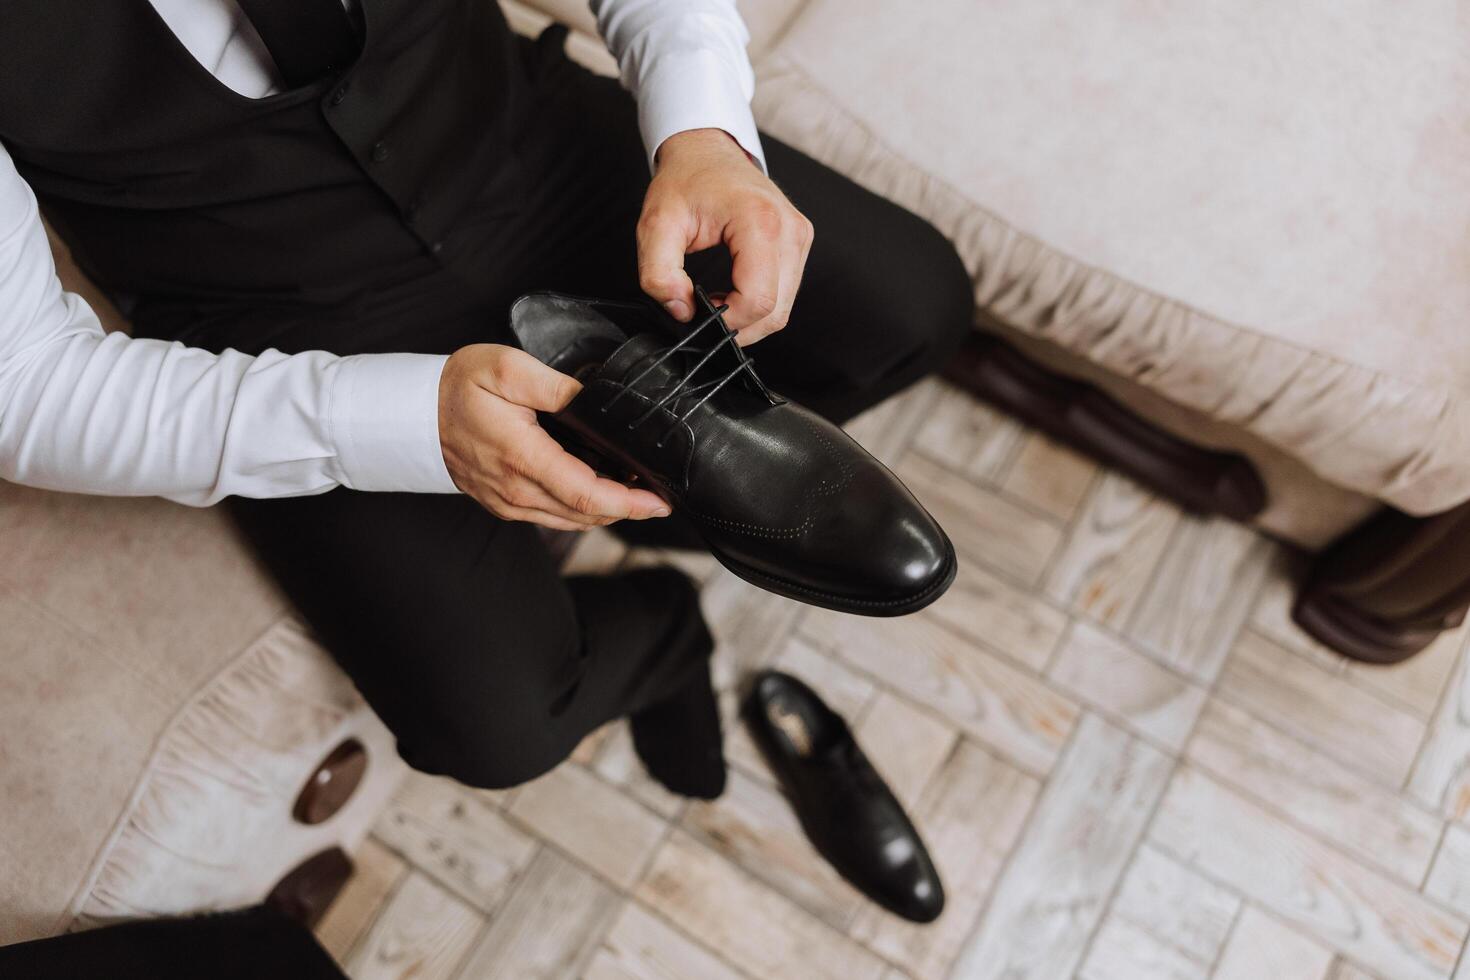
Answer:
(264, 183)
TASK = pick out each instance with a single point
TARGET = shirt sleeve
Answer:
(86, 411)
(685, 62)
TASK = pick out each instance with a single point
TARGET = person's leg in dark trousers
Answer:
(459, 631)
(455, 626)
(246, 945)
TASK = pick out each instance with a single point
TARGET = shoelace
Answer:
(683, 388)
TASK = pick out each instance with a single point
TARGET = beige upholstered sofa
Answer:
(1225, 246)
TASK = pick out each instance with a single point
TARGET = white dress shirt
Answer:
(84, 411)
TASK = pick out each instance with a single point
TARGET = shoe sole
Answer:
(859, 607)
(602, 457)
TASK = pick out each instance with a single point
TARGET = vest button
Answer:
(339, 95)
(380, 151)
(436, 248)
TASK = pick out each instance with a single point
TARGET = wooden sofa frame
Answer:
(1380, 593)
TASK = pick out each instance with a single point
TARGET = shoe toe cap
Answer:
(896, 549)
(908, 884)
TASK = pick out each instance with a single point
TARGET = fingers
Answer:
(796, 244)
(664, 235)
(575, 486)
(519, 378)
(755, 240)
(527, 515)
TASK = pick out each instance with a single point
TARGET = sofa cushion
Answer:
(1259, 211)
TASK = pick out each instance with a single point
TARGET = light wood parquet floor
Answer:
(1126, 760)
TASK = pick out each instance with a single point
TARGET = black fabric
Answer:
(192, 198)
(251, 944)
(307, 39)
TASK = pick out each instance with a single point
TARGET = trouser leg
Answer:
(244, 945)
(461, 634)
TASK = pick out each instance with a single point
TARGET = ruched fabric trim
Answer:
(1401, 441)
(203, 828)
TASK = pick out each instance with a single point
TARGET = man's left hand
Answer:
(705, 191)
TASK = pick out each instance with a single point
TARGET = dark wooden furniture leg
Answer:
(1075, 413)
(1383, 592)
(307, 890)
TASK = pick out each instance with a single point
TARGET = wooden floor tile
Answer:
(1113, 552)
(1325, 710)
(1176, 905)
(1099, 670)
(376, 872)
(906, 745)
(748, 623)
(1418, 682)
(590, 820)
(982, 693)
(1320, 794)
(970, 818)
(1206, 583)
(968, 436)
(1449, 881)
(1052, 895)
(1342, 969)
(642, 946)
(1125, 951)
(984, 526)
(1441, 777)
(1262, 946)
(548, 928)
(422, 934)
(442, 829)
(1049, 477)
(994, 613)
(1344, 904)
(844, 690)
(751, 926)
(754, 827)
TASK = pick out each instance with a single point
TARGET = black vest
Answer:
(168, 184)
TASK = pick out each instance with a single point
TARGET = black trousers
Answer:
(456, 626)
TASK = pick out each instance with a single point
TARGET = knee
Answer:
(916, 292)
(494, 755)
(939, 295)
(504, 726)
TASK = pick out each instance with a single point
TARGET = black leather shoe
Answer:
(848, 812)
(782, 497)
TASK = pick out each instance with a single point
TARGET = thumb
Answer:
(522, 380)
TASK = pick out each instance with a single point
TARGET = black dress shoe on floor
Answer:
(782, 497)
(848, 812)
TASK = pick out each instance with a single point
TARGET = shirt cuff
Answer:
(384, 417)
(696, 90)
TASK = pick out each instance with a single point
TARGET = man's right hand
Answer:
(489, 395)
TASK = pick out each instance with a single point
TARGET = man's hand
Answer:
(706, 191)
(488, 398)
